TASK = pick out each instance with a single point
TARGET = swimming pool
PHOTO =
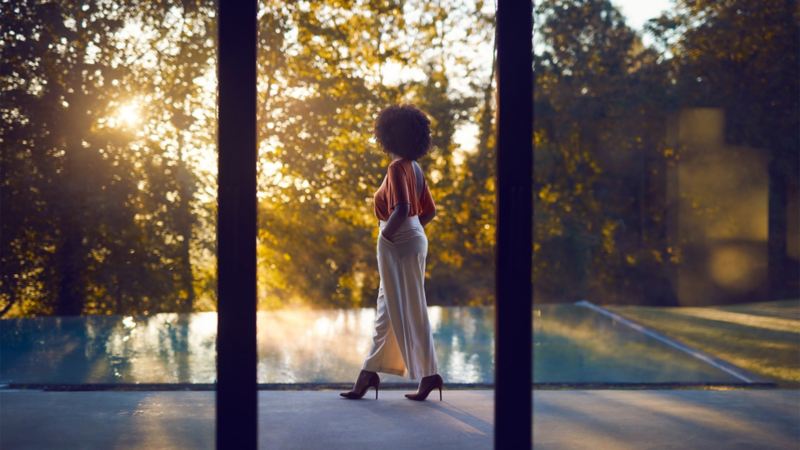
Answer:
(573, 344)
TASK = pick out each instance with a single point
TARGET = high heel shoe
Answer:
(426, 385)
(364, 381)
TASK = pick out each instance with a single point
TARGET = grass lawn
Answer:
(763, 338)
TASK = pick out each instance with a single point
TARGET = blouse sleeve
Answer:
(397, 187)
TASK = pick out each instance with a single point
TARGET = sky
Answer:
(637, 12)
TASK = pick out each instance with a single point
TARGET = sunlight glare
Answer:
(129, 114)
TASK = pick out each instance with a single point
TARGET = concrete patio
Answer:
(564, 419)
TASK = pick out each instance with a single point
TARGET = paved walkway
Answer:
(618, 419)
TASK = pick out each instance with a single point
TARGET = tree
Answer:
(83, 235)
(598, 137)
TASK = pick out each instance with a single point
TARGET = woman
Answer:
(402, 343)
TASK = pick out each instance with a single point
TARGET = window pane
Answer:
(325, 71)
(666, 189)
(108, 193)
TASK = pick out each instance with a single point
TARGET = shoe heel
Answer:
(376, 392)
(440, 393)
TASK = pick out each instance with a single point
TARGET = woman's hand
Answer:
(424, 219)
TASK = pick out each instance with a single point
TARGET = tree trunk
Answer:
(69, 254)
(184, 228)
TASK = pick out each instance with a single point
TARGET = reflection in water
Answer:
(572, 344)
(330, 345)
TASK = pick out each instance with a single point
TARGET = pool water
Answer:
(572, 344)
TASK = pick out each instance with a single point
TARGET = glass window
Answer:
(666, 188)
(108, 193)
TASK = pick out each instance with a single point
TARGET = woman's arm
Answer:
(395, 220)
(426, 200)
(427, 217)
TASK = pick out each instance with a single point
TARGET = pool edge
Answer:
(737, 372)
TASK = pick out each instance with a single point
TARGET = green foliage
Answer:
(323, 85)
(602, 103)
(88, 217)
(600, 116)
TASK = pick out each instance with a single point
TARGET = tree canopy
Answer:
(108, 138)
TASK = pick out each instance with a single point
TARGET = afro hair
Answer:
(404, 131)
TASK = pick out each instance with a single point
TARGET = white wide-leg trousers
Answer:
(402, 343)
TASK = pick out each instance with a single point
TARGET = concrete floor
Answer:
(564, 419)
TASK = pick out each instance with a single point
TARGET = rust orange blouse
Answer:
(400, 186)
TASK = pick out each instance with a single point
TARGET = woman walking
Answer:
(402, 343)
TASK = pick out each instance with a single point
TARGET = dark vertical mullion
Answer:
(237, 401)
(514, 290)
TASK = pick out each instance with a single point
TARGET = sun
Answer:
(129, 114)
